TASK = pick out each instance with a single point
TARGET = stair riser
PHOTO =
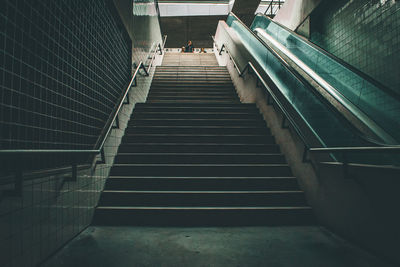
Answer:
(192, 82)
(203, 148)
(201, 171)
(201, 184)
(194, 110)
(199, 159)
(235, 106)
(178, 78)
(192, 86)
(197, 123)
(195, 139)
(208, 101)
(210, 217)
(192, 94)
(197, 91)
(202, 76)
(181, 115)
(198, 130)
(208, 199)
(203, 97)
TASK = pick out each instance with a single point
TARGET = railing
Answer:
(270, 7)
(159, 49)
(76, 154)
(353, 109)
(288, 117)
(345, 85)
(339, 60)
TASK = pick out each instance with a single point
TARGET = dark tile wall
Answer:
(63, 66)
(365, 34)
(82, 62)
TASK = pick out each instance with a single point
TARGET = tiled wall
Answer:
(364, 33)
(52, 209)
(63, 66)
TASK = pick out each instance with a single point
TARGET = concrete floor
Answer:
(241, 246)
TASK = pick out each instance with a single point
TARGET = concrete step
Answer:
(198, 158)
(197, 130)
(197, 122)
(197, 139)
(200, 170)
(203, 216)
(201, 93)
(197, 115)
(184, 97)
(181, 108)
(198, 90)
(233, 106)
(201, 183)
(202, 198)
(198, 148)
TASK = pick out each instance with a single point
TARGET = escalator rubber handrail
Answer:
(339, 60)
(301, 79)
(343, 100)
(373, 149)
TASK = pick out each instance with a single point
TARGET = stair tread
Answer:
(194, 134)
(199, 143)
(201, 164)
(195, 177)
(201, 154)
(204, 192)
(206, 208)
(193, 116)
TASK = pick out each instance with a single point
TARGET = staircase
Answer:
(194, 155)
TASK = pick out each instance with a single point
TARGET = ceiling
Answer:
(198, 28)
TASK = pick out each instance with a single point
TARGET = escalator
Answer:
(331, 104)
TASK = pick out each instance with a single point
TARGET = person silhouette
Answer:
(189, 48)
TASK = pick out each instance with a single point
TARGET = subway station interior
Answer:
(200, 133)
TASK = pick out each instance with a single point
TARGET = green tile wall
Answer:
(365, 34)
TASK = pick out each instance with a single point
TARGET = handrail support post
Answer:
(159, 49)
(103, 156)
(116, 126)
(222, 49)
(127, 99)
(145, 71)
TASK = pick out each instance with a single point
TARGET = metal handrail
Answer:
(307, 148)
(391, 148)
(18, 178)
(271, 3)
(103, 140)
(271, 93)
(164, 41)
(341, 61)
(353, 109)
(158, 49)
(132, 83)
(301, 78)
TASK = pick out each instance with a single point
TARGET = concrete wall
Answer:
(294, 12)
